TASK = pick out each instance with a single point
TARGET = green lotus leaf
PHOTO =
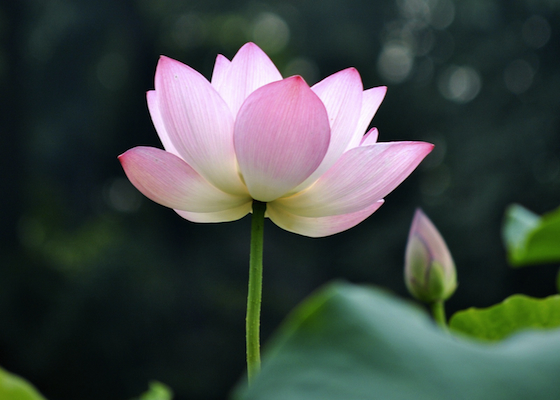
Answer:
(351, 342)
(516, 313)
(530, 239)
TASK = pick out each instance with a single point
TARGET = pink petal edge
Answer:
(153, 107)
(171, 182)
(249, 70)
(322, 226)
(371, 100)
(361, 176)
(232, 214)
(341, 93)
(198, 122)
(219, 73)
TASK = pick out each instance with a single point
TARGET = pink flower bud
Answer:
(430, 274)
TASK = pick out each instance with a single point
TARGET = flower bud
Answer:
(430, 274)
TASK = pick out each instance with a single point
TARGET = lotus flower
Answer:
(251, 135)
(430, 273)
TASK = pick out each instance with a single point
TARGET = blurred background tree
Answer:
(102, 291)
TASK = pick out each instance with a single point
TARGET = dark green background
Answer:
(102, 290)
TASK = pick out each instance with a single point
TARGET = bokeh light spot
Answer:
(395, 62)
(424, 42)
(414, 9)
(271, 32)
(459, 84)
(536, 31)
(442, 13)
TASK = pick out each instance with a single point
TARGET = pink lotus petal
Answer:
(371, 101)
(370, 138)
(153, 107)
(171, 182)
(198, 122)
(249, 70)
(341, 93)
(219, 73)
(232, 214)
(318, 227)
(281, 136)
(362, 176)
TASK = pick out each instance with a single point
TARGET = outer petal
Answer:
(153, 107)
(198, 122)
(362, 176)
(171, 182)
(249, 69)
(341, 93)
(319, 227)
(220, 70)
(232, 214)
(281, 136)
(371, 101)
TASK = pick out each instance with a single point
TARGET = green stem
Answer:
(255, 291)
(438, 311)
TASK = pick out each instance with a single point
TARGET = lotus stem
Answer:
(255, 291)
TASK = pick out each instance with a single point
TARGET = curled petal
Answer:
(249, 70)
(171, 182)
(232, 214)
(362, 176)
(281, 136)
(371, 101)
(198, 122)
(341, 93)
(370, 138)
(321, 226)
(153, 107)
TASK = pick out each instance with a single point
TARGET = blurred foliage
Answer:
(530, 239)
(356, 342)
(514, 314)
(157, 391)
(102, 291)
(13, 387)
